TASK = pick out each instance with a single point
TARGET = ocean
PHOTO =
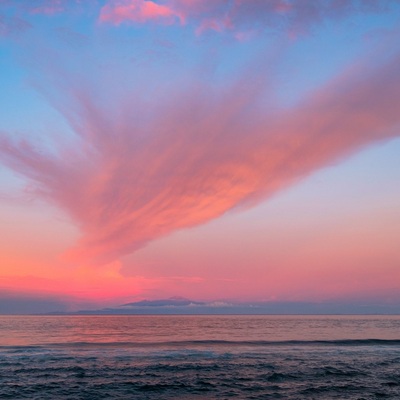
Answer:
(199, 357)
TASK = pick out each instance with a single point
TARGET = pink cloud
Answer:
(294, 17)
(153, 168)
(48, 7)
(138, 11)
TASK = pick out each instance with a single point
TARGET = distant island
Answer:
(182, 306)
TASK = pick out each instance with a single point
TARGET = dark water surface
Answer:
(200, 357)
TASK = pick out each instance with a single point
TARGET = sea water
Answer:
(199, 357)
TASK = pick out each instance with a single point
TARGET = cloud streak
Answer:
(139, 170)
(138, 11)
(294, 17)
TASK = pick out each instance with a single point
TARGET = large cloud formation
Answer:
(138, 170)
(156, 167)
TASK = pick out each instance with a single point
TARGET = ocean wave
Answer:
(211, 343)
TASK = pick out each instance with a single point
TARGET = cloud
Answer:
(293, 17)
(139, 170)
(24, 8)
(11, 25)
(15, 16)
(138, 11)
(48, 7)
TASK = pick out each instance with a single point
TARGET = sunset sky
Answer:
(241, 150)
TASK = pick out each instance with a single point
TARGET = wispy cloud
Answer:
(12, 25)
(15, 15)
(138, 170)
(138, 11)
(294, 17)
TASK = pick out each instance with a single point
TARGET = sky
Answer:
(219, 150)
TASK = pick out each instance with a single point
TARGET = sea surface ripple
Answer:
(207, 357)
